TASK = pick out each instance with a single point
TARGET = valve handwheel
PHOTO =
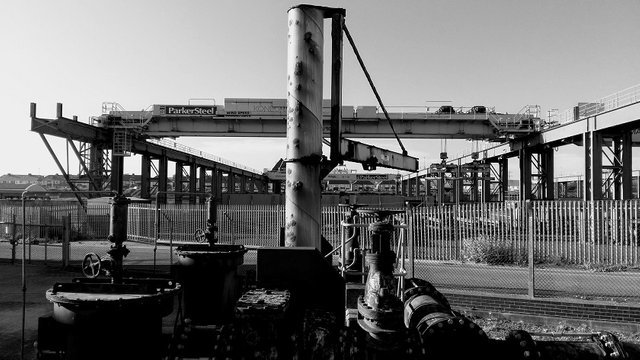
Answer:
(91, 265)
(199, 235)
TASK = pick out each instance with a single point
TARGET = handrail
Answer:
(611, 102)
(189, 150)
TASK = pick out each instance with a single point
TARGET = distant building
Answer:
(21, 179)
(54, 182)
(14, 191)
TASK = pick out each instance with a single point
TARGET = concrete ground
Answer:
(39, 279)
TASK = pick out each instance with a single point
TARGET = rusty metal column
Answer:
(485, 195)
(145, 177)
(548, 164)
(243, 183)
(193, 182)
(163, 164)
(592, 143)
(202, 184)
(627, 159)
(524, 156)
(177, 183)
(304, 126)
(117, 173)
(504, 178)
(231, 182)
(97, 165)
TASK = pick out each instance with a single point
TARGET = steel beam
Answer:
(64, 173)
(371, 156)
(93, 184)
(409, 126)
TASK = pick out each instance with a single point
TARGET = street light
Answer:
(24, 253)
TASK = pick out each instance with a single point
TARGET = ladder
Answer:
(121, 142)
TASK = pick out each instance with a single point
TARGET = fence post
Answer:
(30, 240)
(409, 239)
(157, 231)
(66, 240)
(530, 247)
(14, 243)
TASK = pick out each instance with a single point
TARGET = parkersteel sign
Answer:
(188, 110)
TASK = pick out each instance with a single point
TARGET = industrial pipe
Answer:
(445, 333)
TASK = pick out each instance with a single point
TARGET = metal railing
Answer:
(575, 248)
(603, 232)
(189, 150)
(611, 102)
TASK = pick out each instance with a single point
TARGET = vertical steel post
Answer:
(163, 163)
(145, 177)
(337, 22)
(66, 239)
(178, 180)
(304, 126)
(118, 234)
(524, 157)
(530, 249)
(117, 173)
(13, 238)
(627, 157)
(193, 183)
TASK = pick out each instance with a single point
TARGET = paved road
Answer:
(501, 279)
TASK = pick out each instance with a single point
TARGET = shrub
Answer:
(489, 250)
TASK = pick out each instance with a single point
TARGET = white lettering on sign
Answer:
(190, 110)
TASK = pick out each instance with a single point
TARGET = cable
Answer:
(375, 92)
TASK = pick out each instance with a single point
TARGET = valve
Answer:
(199, 236)
(380, 308)
(93, 265)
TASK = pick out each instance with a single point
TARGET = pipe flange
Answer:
(380, 320)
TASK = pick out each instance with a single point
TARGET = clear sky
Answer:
(504, 53)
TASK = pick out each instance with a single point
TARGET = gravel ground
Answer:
(497, 328)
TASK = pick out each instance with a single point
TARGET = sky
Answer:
(501, 53)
